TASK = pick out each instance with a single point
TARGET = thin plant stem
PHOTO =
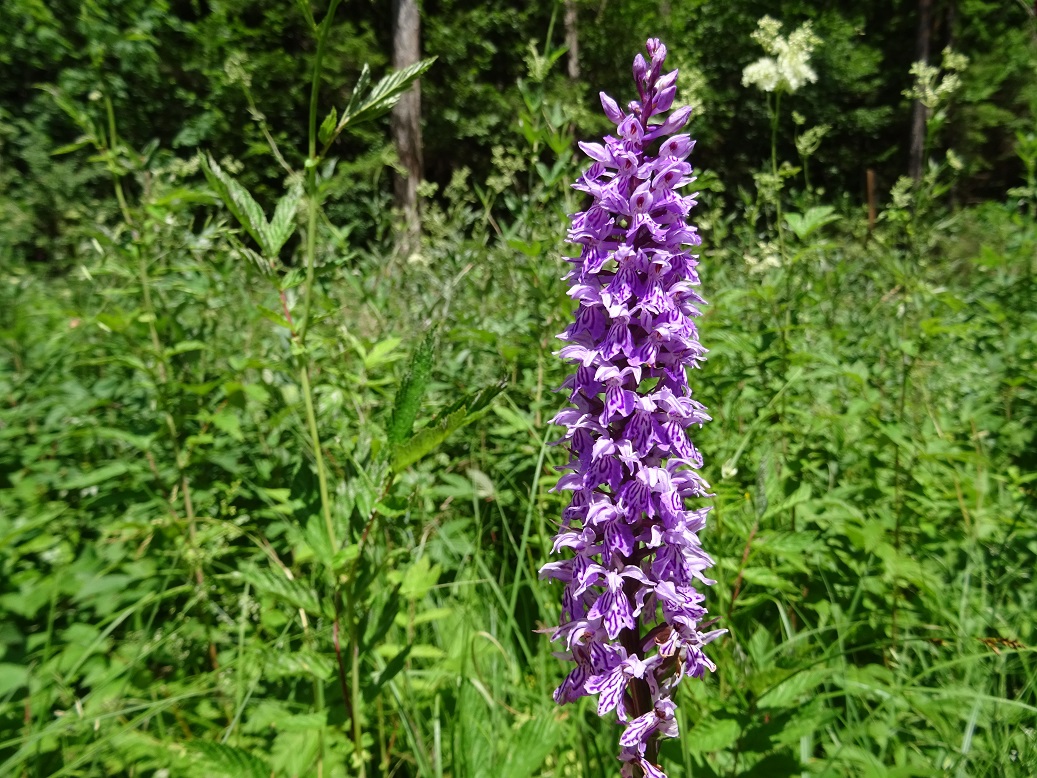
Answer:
(774, 171)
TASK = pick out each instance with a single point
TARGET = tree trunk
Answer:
(919, 113)
(572, 39)
(406, 123)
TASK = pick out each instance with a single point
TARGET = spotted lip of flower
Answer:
(636, 556)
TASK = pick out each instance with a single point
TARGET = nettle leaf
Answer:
(385, 94)
(428, 440)
(453, 418)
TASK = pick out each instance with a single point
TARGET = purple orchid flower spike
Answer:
(632, 617)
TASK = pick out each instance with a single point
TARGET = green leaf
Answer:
(282, 226)
(529, 747)
(453, 418)
(222, 761)
(411, 391)
(294, 752)
(327, 127)
(94, 477)
(185, 346)
(392, 668)
(296, 664)
(806, 224)
(278, 586)
(238, 201)
(76, 145)
(358, 92)
(378, 624)
(419, 579)
(428, 440)
(385, 94)
(713, 734)
(788, 691)
(227, 421)
(12, 677)
(381, 352)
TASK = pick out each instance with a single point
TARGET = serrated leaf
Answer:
(805, 224)
(238, 201)
(358, 92)
(281, 588)
(222, 761)
(294, 753)
(419, 579)
(792, 688)
(254, 257)
(241, 203)
(227, 421)
(428, 440)
(713, 735)
(411, 391)
(385, 94)
(381, 352)
(327, 127)
(457, 415)
(298, 663)
(282, 225)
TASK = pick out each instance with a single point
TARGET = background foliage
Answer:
(178, 598)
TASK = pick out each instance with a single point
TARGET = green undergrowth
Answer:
(273, 503)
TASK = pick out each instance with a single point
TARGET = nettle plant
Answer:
(632, 617)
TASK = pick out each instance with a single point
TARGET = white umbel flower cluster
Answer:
(788, 66)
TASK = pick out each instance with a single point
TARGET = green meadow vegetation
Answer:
(274, 492)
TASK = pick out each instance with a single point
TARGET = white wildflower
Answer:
(768, 257)
(926, 89)
(788, 67)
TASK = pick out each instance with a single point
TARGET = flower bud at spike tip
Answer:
(633, 565)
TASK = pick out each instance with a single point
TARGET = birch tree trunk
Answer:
(919, 113)
(405, 123)
(572, 39)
